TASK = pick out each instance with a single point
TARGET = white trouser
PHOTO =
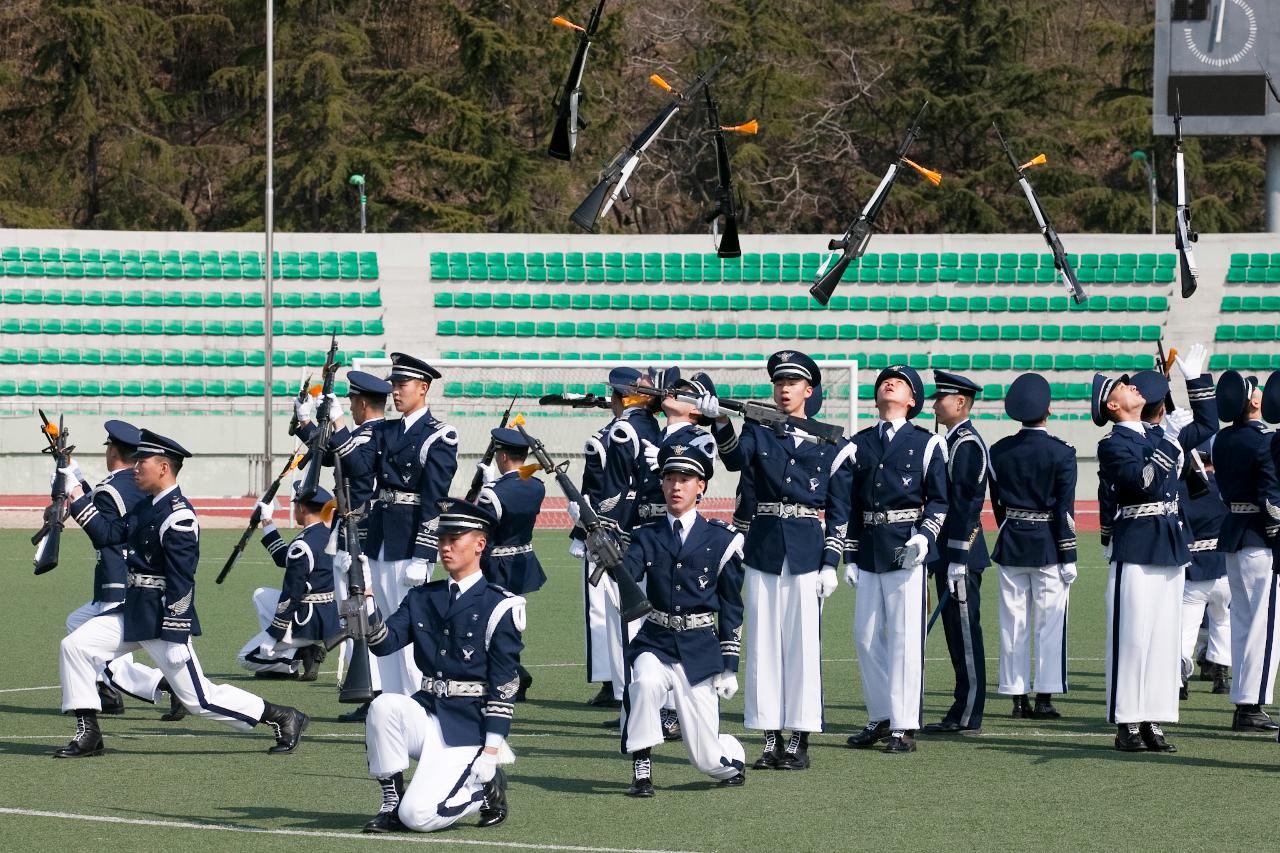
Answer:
(1144, 633)
(442, 791)
(784, 651)
(251, 657)
(1254, 655)
(614, 633)
(601, 664)
(397, 671)
(888, 632)
(124, 673)
(1027, 593)
(697, 706)
(1210, 598)
(101, 639)
(341, 563)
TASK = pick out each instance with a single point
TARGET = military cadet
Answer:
(465, 634)
(689, 643)
(1033, 493)
(1247, 478)
(897, 508)
(1206, 595)
(296, 618)
(114, 497)
(958, 571)
(685, 424)
(1139, 468)
(790, 558)
(413, 461)
(367, 399)
(510, 561)
(162, 538)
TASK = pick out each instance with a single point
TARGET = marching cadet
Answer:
(1148, 554)
(790, 559)
(413, 461)
(162, 537)
(897, 509)
(367, 399)
(510, 561)
(1033, 493)
(689, 643)
(114, 497)
(1206, 595)
(296, 618)
(1242, 455)
(958, 572)
(465, 634)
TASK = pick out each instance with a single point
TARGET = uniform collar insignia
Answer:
(786, 356)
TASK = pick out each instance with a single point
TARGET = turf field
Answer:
(198, 786)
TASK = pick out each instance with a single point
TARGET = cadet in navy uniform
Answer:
(689, 643)
(1033, 494)
(790, 559)
(897, 508)
(1242, 456)
(465, 634)
(296, 618)
(510, 561)
(1144, 583)
(162, 537)
(964, 553)
(413, 460)
(1206, 595)
(114, 497)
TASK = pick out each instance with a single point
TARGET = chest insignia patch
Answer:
(467, 652)
(906, 482)
(703, 580)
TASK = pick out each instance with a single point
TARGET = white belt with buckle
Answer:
(511, 550)
(681, 623)
(1204, 545)
(651, 510)
(391, 496)
(1028, 515)
(1244, 508)
(441, 687)
(891, 516)
(783, 510)
(318, 598)
(147, 581)
(1147, 510)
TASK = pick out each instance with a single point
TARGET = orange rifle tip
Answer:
(657, 80)
(561, 21)
(527, 471)
(1038, 160)
(518, 420)
(51, 429)
(315, 390)
(752, 127)
(930, 175)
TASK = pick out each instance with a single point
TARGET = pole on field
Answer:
(357, 181)
(268, 263)
(1141, 157)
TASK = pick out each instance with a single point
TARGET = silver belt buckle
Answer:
(675, 623)
(440, 688)
(880, 517)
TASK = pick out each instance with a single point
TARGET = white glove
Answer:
(1174, 422)
(917, 547)
(265, 509)
(651, 455)
(577, 548)
(176, 654)
(270, 648)
(1106, 552)
(488, 471)
(71, 475)
(417, 572)
(574, 515)
(955, 572)
(305, 409)
(1192, 366)
(827, 582)
(334, 407)
(483, 768)
(709, 405)
(1067, 571)
(725, 684)
(851, 574)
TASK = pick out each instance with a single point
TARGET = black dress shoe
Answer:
(287, 723)
(899, 742)
(796, 755)
(872, 734)
(768, 760)
(1206, 668)
(276, 676)
(176, 710)
(388, 817)
(604, 698)
(87, 741)
(615, 723)
(1021, 708)
(1182, 691)
(1044, 709)
(641, 775)
(112, 701)
(493, 809)
(737, 780)
(355, 715)
(1251, 718)
(670, 725)
(1221, 679)
(526, 681)
(388, 821)
(1153, 737)
(951, 727)
(1129, 738)
(311, 657)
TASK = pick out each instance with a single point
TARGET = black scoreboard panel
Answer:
(1228, 95)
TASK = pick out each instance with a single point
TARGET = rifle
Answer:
(1271, 84)
(1183, 235)
(575, 401)
(601, 547)
(353, 619)
(255, 517)
(1192, 475)
(761, 413)
(564, 137)
(1042, 219)
(48, 540)
(477, 479)
(854, 242)
(726, 238)
(303, 392)
(320, 441)
(614, 177)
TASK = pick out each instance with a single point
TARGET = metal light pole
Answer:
(357, 181)
(1141, 157)
(268, 265)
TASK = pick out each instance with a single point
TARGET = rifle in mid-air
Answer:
(353, 619)
(854, 242)
(1042, 219)
(324, 429)
(564, 137)
(48, 540)
(1183, 235)
(808, 429)
(575, 401)
(614, 177)
(726, 209)
(255, 517)
(477, 479)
